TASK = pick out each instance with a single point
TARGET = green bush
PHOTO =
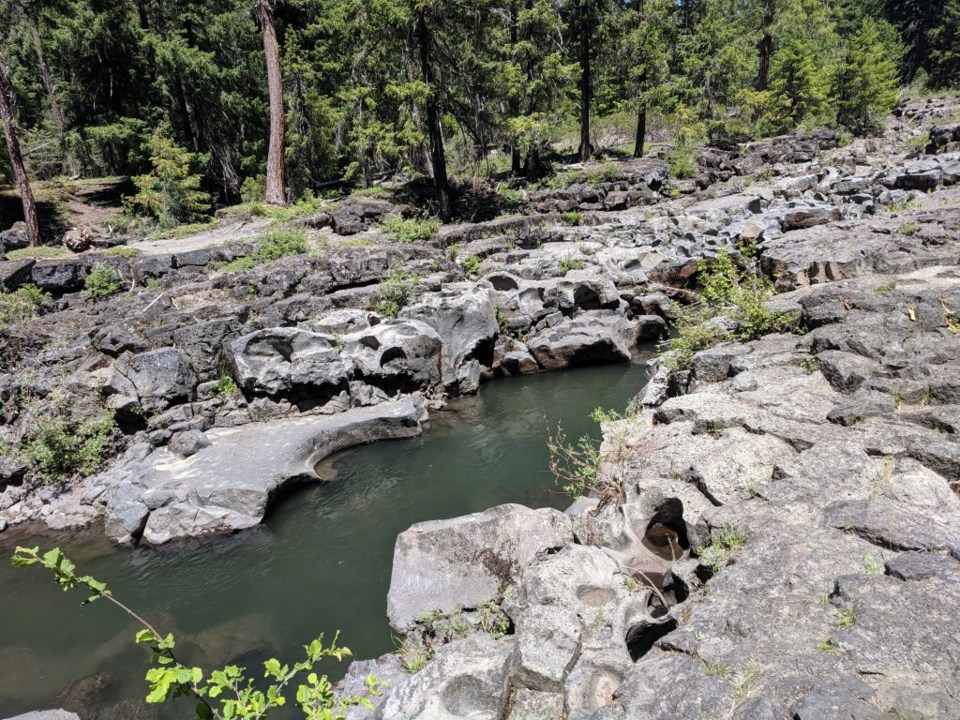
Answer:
(280, 244)
(568, 263)
(572, 218)
(394, 292)
(730, 292)
(682, 161)
(471, 265)
(411, 230)
(21, 305)
(102, 281)
(61, 446)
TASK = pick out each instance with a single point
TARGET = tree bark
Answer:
(585, 80)
(437, 154)
(516, 162)
(421, 158)
(16, 159)
(641, 130)
(59, 121)
(276, 185)
(765, 47)
(642, 103)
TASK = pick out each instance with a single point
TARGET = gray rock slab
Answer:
(451, 564)
(228, 485)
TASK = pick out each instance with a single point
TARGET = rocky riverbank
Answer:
(788, 541)
(789, 505)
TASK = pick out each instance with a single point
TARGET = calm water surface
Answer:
(320, 563)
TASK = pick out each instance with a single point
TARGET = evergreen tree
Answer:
(865, 85)
(945, 47)
(171, 190)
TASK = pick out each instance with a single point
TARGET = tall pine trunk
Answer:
(642, 102)
(16, 159)
(59, 121)
(516, 162)
(586, 80)
(765, 47)
(276, 186)
(437, 153)
(641, 130)
(421, 155)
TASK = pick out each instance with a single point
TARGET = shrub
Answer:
(394, 292)
(240, 264)
(411, 230)
(61, 446)
(572, 218)
(102, 281)
(170, 192)
(21, 305)
(281, 243)
(122, 251)
(471, 265)
(568, 263)
(226, 385)
(682, 161)
(730, 293)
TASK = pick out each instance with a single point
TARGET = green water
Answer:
(320, 563)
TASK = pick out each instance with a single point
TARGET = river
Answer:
(321, 561)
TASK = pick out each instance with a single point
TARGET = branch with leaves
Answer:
(225, 694)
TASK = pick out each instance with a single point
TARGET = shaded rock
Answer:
(288, 362)
(150, 381)
(188, 442)
(15, 273)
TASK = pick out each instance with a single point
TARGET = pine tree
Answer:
(945, 47)
(171, 190)
(865, 85)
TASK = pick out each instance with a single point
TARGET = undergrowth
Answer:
(732, 306)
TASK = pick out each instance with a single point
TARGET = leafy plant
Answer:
(722, 542)
(61, 446)
(908, 228)
(568, 263)
(411, 230)
(226, 385)
(471, 265)
(21, 305)
(281, 243)
(102, 281)
(729, 292)
(223, 694)
(493, 620)
(573, 218)
(394, 292)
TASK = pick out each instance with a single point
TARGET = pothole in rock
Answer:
(666, 533)
(468, 697)
(603, 685)
(642, 637)
(595, 596)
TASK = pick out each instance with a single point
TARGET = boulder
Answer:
(396, 355)
(451, 564)
(465, 320)
(464, 680)
(15, 273)
(58, 276)
(288, 362)
(588, 339)
(150, 381)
